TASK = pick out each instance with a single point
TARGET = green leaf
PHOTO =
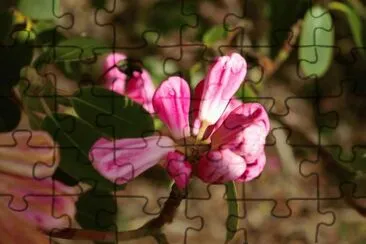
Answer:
(43, 25)
(159, 70)
(353, 19)
(167, 17)
(75, 138)
(214, 35)
(10, 114)
(232, 220)
(316, 42)
(13, 58)
(39, 9)
(111, 113)
(75, 49)
(196, 74)
(96, 210)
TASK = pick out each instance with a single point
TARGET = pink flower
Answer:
(31, 199)
(134, 82)
(224, 141)
(122, 160)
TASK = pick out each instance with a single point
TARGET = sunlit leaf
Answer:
(214, 35)
(196, 74)
(316, 42)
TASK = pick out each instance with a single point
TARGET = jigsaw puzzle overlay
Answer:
(189, 121)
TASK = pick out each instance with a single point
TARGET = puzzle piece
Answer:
(293, 200)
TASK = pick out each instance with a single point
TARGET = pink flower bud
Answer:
(220, 166)
(139, 87)
(178, 168)
(114, 78)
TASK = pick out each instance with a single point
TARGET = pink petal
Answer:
(178, 168)
(171, 103)
(45, 203)
(244, 131)
(220, 166)
(25, 153)
(123, 160)
(140, 89)
(115, 80)
(254, 170)
(221, 83)
(30, 233)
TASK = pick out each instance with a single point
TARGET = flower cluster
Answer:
(211, 134)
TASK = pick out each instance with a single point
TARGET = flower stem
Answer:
(151, 228)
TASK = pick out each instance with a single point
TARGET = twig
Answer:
(151, 228)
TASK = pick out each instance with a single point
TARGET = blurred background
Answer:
(306, 65)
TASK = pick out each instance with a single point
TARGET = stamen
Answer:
(202, 131)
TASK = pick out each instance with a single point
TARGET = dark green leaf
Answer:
(63, 177)
(353, 19)
(214, 35)
(43, 25)
(12, 59)
(111, 113)
(6, 21)
(96, 210)
(79, 49)
(39, 9)
(49, 37)
(232, 220)
(9, 114)
(75, 138)
(166, 17)
(316, 42)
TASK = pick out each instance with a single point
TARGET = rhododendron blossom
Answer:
(212, 135)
